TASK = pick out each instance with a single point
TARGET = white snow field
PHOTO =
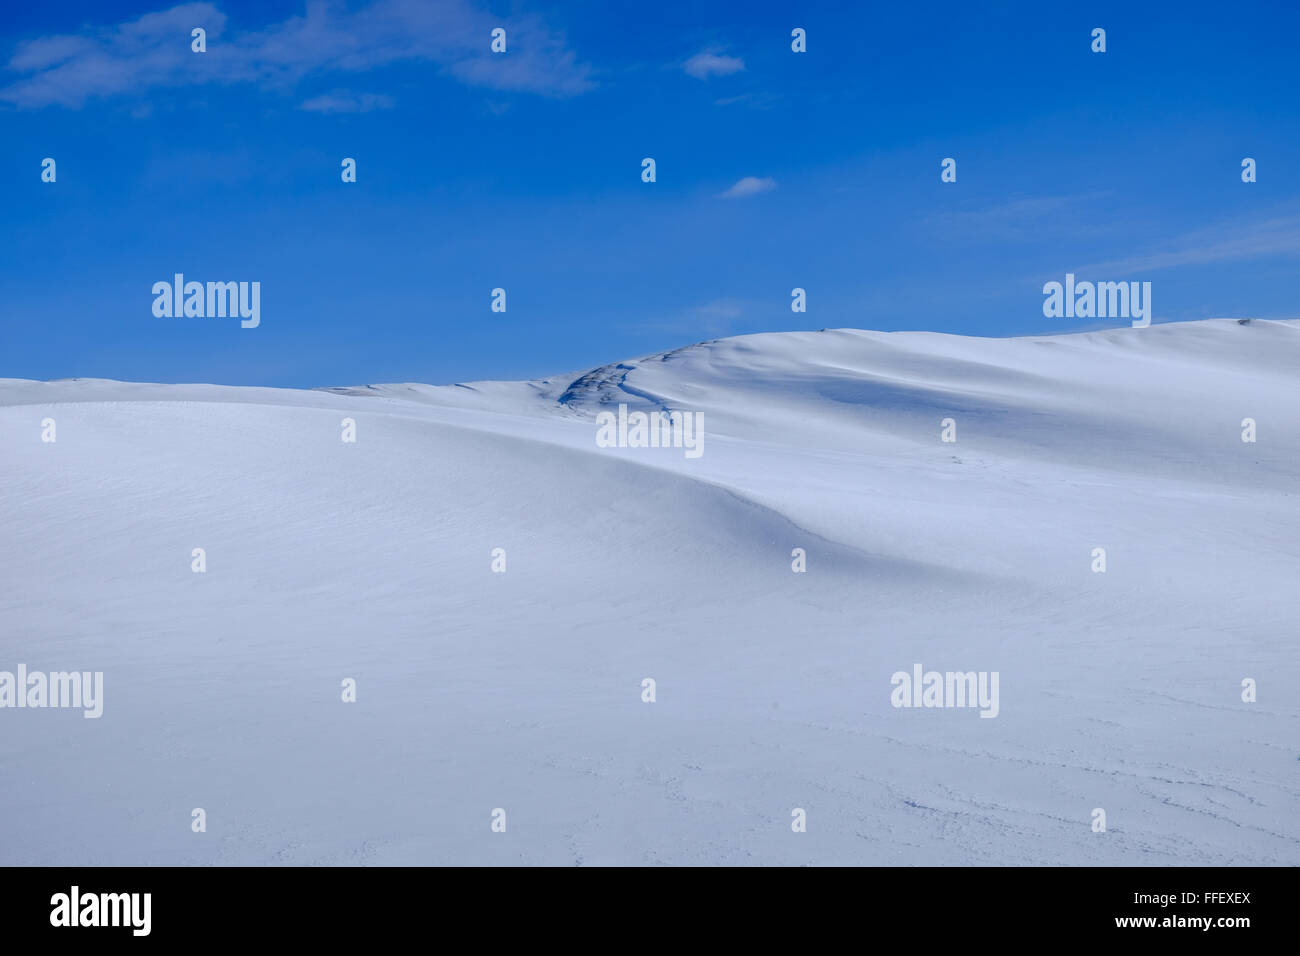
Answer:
(522, 690)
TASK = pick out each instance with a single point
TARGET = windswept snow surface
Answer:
(478, 690)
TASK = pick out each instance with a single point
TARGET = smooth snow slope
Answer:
(522, 690)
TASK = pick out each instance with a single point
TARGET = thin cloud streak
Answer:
(345, 101)
(1271, 237)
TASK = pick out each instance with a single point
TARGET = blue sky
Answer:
(523, 171)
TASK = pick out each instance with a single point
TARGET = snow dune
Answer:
(477, 690)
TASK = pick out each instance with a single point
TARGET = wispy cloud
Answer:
(1022, 218)
(345, 101)
(749, 186)
(153, 51)
(720, 310)
(716, 318)
(712, 62)
(758, 101)
(1275, 237)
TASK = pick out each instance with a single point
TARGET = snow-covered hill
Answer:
(522, 690)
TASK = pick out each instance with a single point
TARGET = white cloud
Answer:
(749, 186)
(708, 63)
(153, 51)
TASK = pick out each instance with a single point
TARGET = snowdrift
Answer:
(328, 560)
